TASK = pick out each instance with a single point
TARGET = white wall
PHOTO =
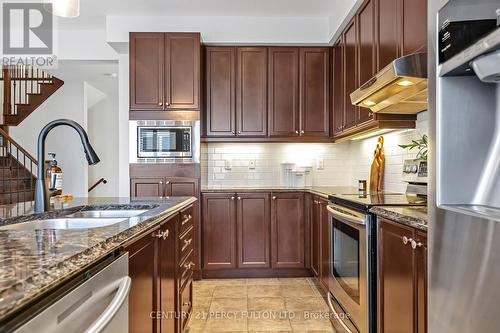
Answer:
(68, 102)
(344, 163)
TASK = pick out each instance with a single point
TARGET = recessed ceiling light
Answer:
(405, 83)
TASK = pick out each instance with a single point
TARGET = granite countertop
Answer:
(322, 191)
(34, 262)
(413, 216)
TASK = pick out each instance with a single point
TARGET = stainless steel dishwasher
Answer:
(99, 304)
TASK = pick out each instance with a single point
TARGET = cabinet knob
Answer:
(274, 197)
(160, 104)
(165, 234)
(167, 182)
(186, 304)
(296, 132)
(406, 240)
(302, 132)
(232, 132)
(239, 132)
(167, 104)
(370, 114)
(415, 244)
(161, 182)
(239, 198)
(232, 198)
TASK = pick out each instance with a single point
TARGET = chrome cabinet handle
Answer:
(186, 219)
(163, 234)
(115, 305)
(406, 240)
(188, 241)
(189, 265)
(414, 244)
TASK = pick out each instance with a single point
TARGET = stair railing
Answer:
(18, 83)
(17, 171)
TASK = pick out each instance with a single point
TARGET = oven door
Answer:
(348, 268)
(159, 141)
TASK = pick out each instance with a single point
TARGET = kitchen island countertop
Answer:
(36, 262)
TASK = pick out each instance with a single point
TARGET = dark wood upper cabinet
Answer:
(388, 31)
(315, 236)
(182, 71)
(402, 278)
(254, 230)
(220, 91)
(164, 71)
(338, 86)
(366, 50)
(251, 91)
(143, 299)
(147, 54)
(288, 230)
(314, 91)
(219, 231)
(283, 91)
(414, 26)
(147, 187)
(350, 74)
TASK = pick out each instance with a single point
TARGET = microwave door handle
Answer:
(330, 304)
(103, 320)
(350, 218)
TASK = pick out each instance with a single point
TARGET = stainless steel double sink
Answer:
(80, 220)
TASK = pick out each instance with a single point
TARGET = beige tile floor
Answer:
(259, 305)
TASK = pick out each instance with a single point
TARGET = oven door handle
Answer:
(339, 320)
(350, 218)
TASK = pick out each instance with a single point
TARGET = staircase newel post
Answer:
(6, 91)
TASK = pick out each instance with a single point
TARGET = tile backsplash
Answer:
(333, 164)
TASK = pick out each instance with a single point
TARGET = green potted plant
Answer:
(420, 144)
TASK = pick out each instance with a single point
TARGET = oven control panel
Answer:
(415, 171)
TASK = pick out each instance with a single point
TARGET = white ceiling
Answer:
(93, 12)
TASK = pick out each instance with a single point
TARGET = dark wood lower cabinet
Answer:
(315, 236)
(157, 301)
(288, 230)
(402, 262)
(325, 252)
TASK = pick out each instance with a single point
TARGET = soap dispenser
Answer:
(54, 177)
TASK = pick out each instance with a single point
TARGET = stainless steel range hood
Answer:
(401, 87)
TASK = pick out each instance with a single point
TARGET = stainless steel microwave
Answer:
(164, 141)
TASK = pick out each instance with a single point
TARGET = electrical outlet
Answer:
(251, 164)
(320, 164)
(227, 164)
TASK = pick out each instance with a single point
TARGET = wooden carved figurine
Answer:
(377, 168)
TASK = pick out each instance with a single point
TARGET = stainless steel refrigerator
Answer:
(464, 198)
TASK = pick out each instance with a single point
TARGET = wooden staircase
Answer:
(22, 90)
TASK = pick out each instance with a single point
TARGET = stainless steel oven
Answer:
(159, 141)
(350, 278)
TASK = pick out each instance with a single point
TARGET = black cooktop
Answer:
(364, 201)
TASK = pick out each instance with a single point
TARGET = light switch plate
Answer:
(251, 164)
(227, 164)
(320, 164)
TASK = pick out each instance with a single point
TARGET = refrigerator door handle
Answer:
(113, 307)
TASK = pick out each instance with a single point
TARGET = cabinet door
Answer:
(254, 229)
(421, 256)
(147, 53)
(182, 187)
(147, 187)
(350, 74)
(315, 236)
(325, 244)
(220, 91)
(314, 91)
(283, 91)
(338, 86)
(166, 270)
(388, 31)
(366, 47)
(219, 231)
(287, 230)
(396, 271)
(251, 91)
(414, 26)
(142, 300)
(182, 72)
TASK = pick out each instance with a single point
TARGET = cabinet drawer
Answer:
(186, 304)
(185, 244)
(186, 220)
(186, 270)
